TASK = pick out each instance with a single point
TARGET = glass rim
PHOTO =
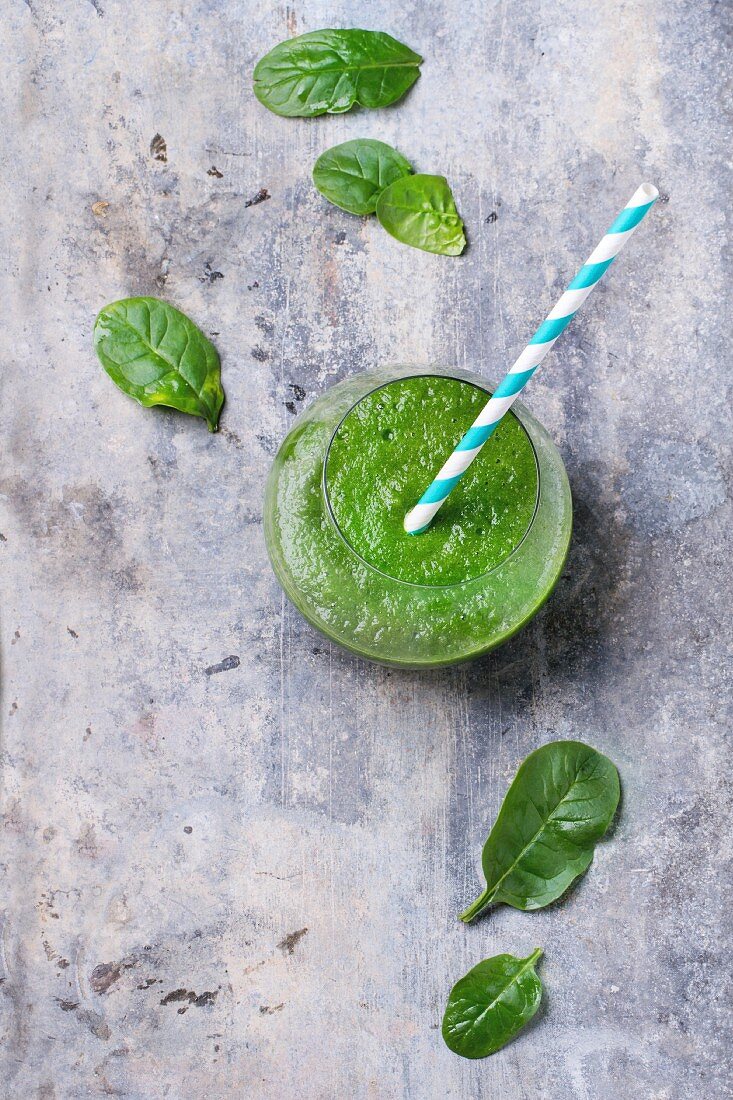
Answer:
(422, 373)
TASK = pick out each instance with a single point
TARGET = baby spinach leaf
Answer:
(560, 803)
(353, 174)
(420, 210)
(157, 355)
(491, 1004)
(331, 70)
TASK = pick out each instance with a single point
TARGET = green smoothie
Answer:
(384, 455)
(351, 466)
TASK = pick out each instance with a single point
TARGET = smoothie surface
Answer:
(386, 452)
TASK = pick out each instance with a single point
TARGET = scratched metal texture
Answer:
(232, 855)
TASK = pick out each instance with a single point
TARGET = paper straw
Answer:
(418, 519)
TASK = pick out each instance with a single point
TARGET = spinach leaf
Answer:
(491, 1004)
(420, 210)
(331, 70)
(560, 803)
(353, 174)
(157, 355)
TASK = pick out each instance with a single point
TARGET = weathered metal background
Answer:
(245, 882)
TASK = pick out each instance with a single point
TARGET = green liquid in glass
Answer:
(386, 452)
(339, 488)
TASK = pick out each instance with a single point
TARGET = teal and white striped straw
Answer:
(418, 519)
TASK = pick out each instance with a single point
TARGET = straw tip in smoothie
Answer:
(409, 525)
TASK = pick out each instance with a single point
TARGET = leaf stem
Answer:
(473, 910)
(535, 956)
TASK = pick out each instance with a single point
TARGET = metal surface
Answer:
(240, 877)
